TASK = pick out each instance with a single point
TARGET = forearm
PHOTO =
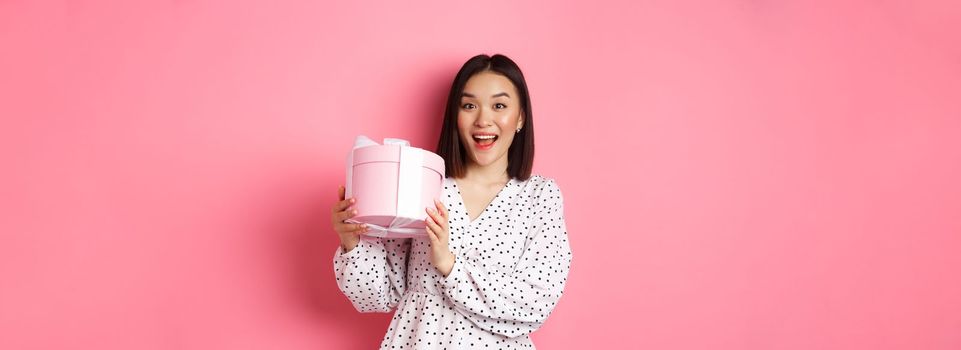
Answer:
(446, 264)
(366, 276)
(499, 303)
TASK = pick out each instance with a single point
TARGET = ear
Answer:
(520, 121)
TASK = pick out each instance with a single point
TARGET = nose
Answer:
(484, 118)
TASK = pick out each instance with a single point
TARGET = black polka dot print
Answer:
(510, 271)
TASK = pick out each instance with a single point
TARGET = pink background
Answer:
(738, 174)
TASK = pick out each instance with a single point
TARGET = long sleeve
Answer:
(373, 274)
(517, 302)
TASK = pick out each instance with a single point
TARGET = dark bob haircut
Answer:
(520, 155)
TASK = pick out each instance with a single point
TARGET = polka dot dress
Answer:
(510, 271)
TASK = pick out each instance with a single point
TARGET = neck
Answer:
(494, 173)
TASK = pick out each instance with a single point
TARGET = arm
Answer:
(517, 303)
(373, 275)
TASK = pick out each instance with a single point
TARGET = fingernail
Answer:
(351, 200)
(354, 212)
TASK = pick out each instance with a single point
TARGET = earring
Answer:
(518, 130)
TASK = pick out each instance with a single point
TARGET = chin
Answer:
(484, 160)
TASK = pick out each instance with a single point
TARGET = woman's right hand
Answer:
(349, 233)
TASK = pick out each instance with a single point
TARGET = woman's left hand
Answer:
(438, 230)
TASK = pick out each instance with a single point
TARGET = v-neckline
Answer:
(483, 213)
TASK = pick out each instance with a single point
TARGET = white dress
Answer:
(510, 271)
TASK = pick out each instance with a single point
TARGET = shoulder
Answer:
(541, 189)
(540, 182)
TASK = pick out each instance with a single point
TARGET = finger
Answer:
(432, 235)
(350, 234)
(439, 217)
(438, 230)
(441, 208)
(344, 215)
(340, 192)
(429, 222)
(431, 213)
(343, 204)
(439, 220)
(351, 228)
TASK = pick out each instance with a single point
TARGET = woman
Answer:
(495, 264)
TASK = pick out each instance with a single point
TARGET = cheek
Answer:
(463, 125)
(508, 120)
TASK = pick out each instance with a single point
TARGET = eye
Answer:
(468, 106)
(500, 106)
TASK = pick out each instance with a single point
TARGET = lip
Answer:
(480, 147)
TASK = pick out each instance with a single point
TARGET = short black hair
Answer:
(520, 155)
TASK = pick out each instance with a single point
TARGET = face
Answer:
(489, 115)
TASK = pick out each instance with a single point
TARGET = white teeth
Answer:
(484, 137)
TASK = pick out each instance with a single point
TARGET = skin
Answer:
(489, 104)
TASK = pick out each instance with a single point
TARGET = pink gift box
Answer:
(393, 184)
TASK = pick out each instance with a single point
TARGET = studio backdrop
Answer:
(737, 174)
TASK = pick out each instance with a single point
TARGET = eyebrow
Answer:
(492, 96)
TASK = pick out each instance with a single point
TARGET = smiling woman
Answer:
(481, 127)
(497, 258)
(488, 90)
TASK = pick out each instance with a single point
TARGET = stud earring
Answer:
(518, 130)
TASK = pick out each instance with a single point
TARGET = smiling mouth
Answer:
(484, 142)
